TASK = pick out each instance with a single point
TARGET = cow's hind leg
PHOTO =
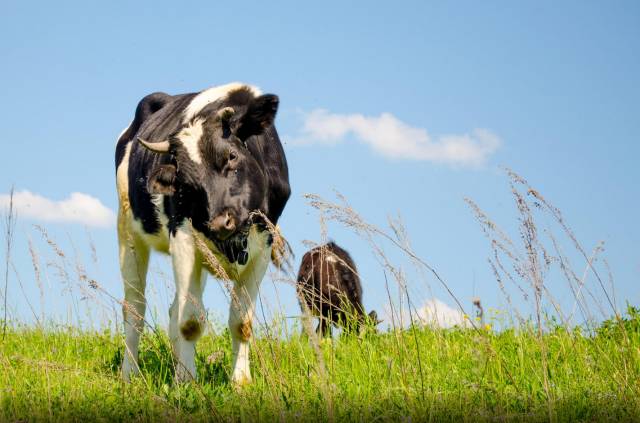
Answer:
(324, 327)
(134, 261)
(187, 315)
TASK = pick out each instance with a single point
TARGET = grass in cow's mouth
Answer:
(501, 366)
(235, 247)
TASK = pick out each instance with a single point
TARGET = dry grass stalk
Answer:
(281, 252)
(530, 262)
(35, 261)
(9, 227)
(557, 215)
(24, 294)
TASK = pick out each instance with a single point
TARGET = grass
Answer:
(531, 363)
(63, 374)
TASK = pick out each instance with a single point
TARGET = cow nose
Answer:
(223, 225)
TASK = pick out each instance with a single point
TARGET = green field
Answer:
(410, 375)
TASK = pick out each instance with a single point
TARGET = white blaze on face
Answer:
(212, 94)
(190, 137)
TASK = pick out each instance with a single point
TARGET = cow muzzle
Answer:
(223, 225)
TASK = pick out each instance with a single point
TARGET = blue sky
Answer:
(553, 87)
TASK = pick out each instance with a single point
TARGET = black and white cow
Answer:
(198, 165)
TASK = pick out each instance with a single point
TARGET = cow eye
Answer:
(233, 156)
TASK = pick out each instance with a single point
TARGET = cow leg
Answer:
(324, 321)
(241, 313)
(242, 307)
(186, 315)
(324, 327)
(134, 261)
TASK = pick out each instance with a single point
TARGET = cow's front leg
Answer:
(243, 303)
(187, 315)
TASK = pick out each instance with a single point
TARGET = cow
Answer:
(329, 287)
(205, 166)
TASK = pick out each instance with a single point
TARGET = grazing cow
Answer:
(329, 285)
(194, 167)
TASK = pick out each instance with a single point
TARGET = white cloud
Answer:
(78, 208)
(433, 313)
(389, 136)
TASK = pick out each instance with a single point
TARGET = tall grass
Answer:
(540, 366)
(62, 374)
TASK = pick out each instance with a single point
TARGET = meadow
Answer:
(508, 365)
(420, 374)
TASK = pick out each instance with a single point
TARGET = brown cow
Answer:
(329, 285)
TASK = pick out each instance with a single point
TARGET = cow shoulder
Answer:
(267, 148)
(157, 116)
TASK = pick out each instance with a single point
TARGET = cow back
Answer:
(328, 281)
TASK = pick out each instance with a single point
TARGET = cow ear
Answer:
(162, 180)
(259, 116)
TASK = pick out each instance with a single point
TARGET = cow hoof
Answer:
(127, 376)
(183, 375)
(241, 380)
(129, 371)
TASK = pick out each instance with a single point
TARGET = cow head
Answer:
(209, 168)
